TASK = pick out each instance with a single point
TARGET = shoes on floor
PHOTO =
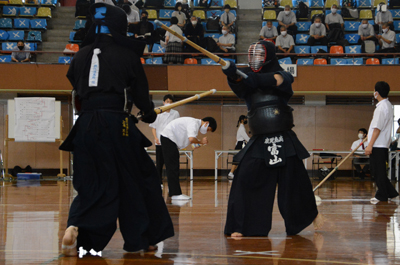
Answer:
(374, 200)
(179, 202)
(181, 197)
(231, 176)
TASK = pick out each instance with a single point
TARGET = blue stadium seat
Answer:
(34, 35)
(27, 11)
(364, 3)
(352, 38)
(372, 22)
(166, 23)
(286, 60)
(302, 49)
(207, 61)
(316, 3)
(216, 3)
(395, 13)
(64, 59)
(158, 49)
(308, 61)
(303, 26)
(213, 35)
(328, 11)
(169, 3)
(6, 23)
(165, 13)
(154, 60)
(16, 35)
(8, 46)
(353, 49)
(390, 61)
(5, 58)
(10, 11)
(49, 3)
(213, 13)
(338, 61)
(31, 46)
(3, 35)
(80, 24)
(39, 23)
(314, 49)
(21, 23)
(396, 25)
(274, 23)
(302, 38)
(351, 25)
(355, 61)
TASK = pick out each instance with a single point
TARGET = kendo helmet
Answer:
(260, 54)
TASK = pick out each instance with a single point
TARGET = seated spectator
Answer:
(179, 14)
(362, 133)
(334, 20)
(284, 42)
(366, 32)
(144, 29)
(174, 44)
(226, 42)
(269, 32)
(228, 18)
(317, 33)
(19, 56)
(131, 15)
(186, 8)
(383, 16)
(194, 32)
(288, 19)
(387, 39)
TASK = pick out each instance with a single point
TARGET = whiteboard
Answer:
(12, 120)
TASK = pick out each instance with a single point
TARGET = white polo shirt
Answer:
(357, 143)
(179, 130)
(241, 134)
(382, 120)
(162, 121)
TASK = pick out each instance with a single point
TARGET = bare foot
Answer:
(318, 240)
(152, 248)
(319, 221)
(236, 234)
(69, 242)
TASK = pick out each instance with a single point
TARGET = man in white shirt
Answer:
(284, 42)
(383, 16)
(358, 161)
(269, 32)
(366, 32)
(317, 33)
(178, 134)
(387, 40)
(226, 42)
(379, 136)
(158, 126)
(334, 19)
(228, 18)
(288, 19)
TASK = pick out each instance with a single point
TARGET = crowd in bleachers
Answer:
(348, 28)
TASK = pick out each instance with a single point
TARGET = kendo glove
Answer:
(149, 116)
(260, 80)
(230, 70)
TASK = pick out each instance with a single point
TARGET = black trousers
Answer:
(378, 160)
(311, 41)
(171, 159)
(252, 197)
(159, 161)
(115, 179)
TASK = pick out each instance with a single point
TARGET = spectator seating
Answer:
(190, 61)
(353, 49)
(5, 58)
(232, 3)
(48, 3)
(154, 60)
(396, 25)
(352, 38)
(363, 3)
(316, 3)
(166, 23)
(39, 23)
(16, 35)
(372, 61)
(314, 49)
(71, 48)
(3, 35)
(21, 23)
(286, 60)
(28, 11)
(395, 13)
(200, 14)
(286, 2)
(44, 12)
(377, 2)
(320, 61)
(169, 3)
(64, 59)
(6, 23)
(152, 14)
(308, 61)
(8, 46)
(269, 15)
(328, 11)
(31, 46)
(302, 49)
(157, 48)
(32, 2)
(35, 36)
(79, 24)
(303, 26)
(71, 37)
(302, 38)
(207, 61)
(330, 3)
(365, 14)
(336, 49)
(214, 13)
(316, 12)
(15, 2)
(10, 11)
(338, 61)
(397, 38)
(390, 61)
(274, 23)
(217, 4)
(351, 25)
(355, 61)
(165, 13)
(213, 35)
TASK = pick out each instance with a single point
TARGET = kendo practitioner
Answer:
(113, 175)
(272, 156)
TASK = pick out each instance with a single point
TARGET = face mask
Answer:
(245, 122)
(227, 10)
(360, 135)
(224, 32)
(384, 30)
(283, 33)
(203, 129)
(194, 23)
(269, 28)
(376, 95)
(334, 10)
(167, 104)
(20, 47)
(317, 25)
(365, 26)
(287, 12)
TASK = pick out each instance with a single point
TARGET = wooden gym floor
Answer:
(33, 217)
